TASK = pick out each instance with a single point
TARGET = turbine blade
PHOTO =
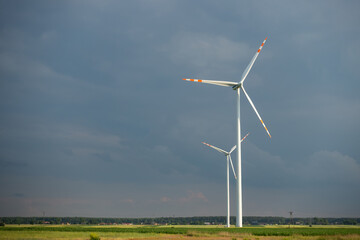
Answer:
(232, 166)
(248, 68)
(233, 148)
(214, 82)
(244, 137)
(253, 106)
(216, 148)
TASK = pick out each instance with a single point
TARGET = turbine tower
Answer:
(237, 86)
(228, 159)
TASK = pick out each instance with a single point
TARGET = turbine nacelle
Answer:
(235, 87)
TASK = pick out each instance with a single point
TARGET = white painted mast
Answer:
(238, 167)
(227, 192)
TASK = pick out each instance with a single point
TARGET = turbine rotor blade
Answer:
(214, 82)
(232, 149)
(248, 68)
(216, 148)
(253, 106)
(232, 166)
(244, 137)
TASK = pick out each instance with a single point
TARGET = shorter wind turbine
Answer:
(228, 159)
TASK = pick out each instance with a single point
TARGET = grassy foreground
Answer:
(179, 232)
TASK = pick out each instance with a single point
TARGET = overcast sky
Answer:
(95, 119)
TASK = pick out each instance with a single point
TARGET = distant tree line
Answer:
(215, 220)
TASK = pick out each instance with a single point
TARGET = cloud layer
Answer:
(96, 121)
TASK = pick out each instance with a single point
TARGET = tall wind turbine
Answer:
(237, 86)
(228, 159)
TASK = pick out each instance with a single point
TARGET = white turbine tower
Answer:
(237, 86)
(228, 159)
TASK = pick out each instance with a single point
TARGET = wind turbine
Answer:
(237, 86)
(228, 159)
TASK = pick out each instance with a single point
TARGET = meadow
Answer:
(179, 232)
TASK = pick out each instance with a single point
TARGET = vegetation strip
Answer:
(182, 230)
(214, 220)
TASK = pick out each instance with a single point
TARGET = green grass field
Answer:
(179, 232)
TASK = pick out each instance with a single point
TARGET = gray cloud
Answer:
(92, 101)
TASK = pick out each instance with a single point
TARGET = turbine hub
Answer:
(235, 87)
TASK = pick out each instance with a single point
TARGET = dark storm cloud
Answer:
(18, 195)
(92, 98)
